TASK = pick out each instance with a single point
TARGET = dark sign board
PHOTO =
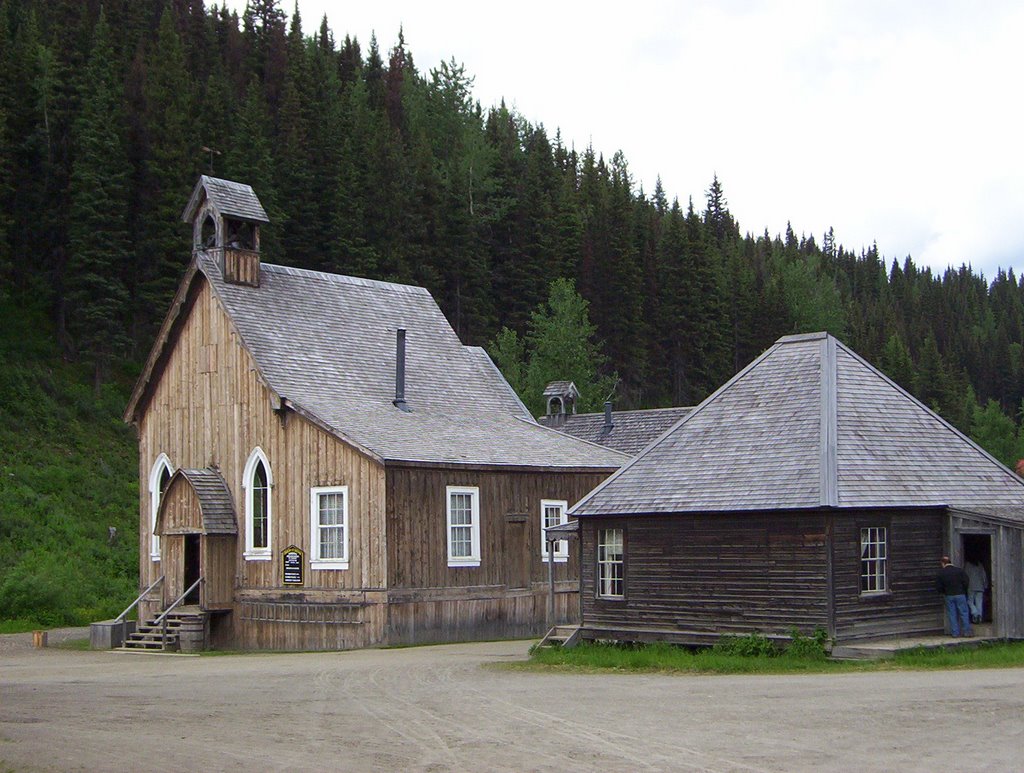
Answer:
(292, 563)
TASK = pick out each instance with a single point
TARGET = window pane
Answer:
(610, 562)
(874, 560)
(332, 509)
(462, 541)
(462, 509)
(332, 542)
(260, 492)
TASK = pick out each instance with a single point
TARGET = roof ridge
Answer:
(828, 384)
(326, 276)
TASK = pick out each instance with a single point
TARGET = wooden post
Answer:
(551, 582)
(39, 639)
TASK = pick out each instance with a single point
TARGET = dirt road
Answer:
(440, 708)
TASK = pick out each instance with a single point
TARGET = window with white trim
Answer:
(610, 564)
(258, 484)
(874, 560)
(159, 476)
(463, 525)
(552, 513)
(328, 527)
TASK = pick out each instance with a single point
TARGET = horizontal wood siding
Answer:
(209, 407)
(712, 574)
(915, 544)
(507, 594)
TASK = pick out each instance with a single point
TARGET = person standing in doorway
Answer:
(952, 583)
(977, 581)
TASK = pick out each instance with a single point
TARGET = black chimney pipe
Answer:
(607, 418)
(399, 400)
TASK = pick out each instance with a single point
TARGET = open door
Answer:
(977, 549)
(193, 546)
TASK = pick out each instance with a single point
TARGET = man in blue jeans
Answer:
(952, 583)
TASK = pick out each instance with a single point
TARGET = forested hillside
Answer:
(369, 166)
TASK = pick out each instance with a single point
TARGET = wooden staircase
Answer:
(565, 636)
(185, 631)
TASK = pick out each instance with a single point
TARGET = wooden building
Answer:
(330, 467)
(809, 491)
(626, 431)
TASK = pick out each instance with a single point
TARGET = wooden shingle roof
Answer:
(808, 424)
(231, 199)
(325, 345)
(631, 431)
(215, 503)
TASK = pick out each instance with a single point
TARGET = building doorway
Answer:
(193, 543)
(977, 549)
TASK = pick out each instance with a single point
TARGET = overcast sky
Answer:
(899, 122)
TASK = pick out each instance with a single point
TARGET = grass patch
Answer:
(756, 655)
(68, 472)
(78, 645)
(18, 626)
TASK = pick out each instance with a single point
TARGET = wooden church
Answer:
(324, 464)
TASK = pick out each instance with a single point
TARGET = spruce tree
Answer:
(99, 245)
(172, 163)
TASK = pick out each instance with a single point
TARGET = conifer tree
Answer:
(98, 243)
(249, 160)
(172, 162)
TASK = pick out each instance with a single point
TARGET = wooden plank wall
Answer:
(209, 407)
(736, 573)
(1007, 571)
(507, 594)
(712, 574)
(182, 514)
(916, 540)
(242, 266)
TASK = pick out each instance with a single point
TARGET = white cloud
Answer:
(899, 123)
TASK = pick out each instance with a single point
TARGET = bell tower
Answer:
(226, 218)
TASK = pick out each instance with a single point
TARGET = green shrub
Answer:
(814, 647)
(751, 645)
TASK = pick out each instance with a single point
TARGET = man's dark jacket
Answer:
(951, 581)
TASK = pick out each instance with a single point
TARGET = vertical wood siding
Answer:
(1007, 575)
(507, 594)
(209, 407)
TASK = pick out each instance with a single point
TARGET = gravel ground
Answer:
(442, 708)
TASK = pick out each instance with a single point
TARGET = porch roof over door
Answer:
(205, 488)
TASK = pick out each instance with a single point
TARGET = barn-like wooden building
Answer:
(809, 491)
(325, 465)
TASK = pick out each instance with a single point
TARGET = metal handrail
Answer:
(123, 617)
(162, 620)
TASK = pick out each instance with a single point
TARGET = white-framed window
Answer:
(463, 525)
(159, 476)
(328, 527)
(552, 513)
(610, 564)
(258, 484)
(874, 560)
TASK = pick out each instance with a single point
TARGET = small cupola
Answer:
(226, 218)
(561, 398)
